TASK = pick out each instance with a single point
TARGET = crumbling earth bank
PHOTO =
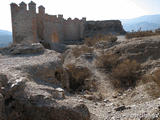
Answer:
(30, 89)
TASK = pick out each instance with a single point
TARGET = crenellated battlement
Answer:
(41, 11)
(23, 7)
(29, 26)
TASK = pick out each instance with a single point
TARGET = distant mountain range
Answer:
(147, 22)
(5, 38)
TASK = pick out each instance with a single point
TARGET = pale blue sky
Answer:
(153, 6)
(92, 9)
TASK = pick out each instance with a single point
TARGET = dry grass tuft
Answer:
(156, 77)
(126, 74)
(91, 41)
(77, 51)
(152, 84)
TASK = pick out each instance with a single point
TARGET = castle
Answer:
(31, 27)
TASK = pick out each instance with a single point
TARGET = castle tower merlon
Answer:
(13, 5)
(14, 9)
(60, 16)
(76, 20)
(84, 19)
(69, 19)
(55, 18)
(23, 6)
(41, 10)
(32, 7)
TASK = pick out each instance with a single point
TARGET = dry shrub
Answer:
(141, 34)
(107, 61)
(90, 41)
(152, 87)
(77, 76)
(156, 77)
(157, 31)
(77, 51)
(126, 74)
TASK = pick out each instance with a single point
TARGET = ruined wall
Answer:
(72, 30)
(53, 29)
(24, 23)
(103, 27)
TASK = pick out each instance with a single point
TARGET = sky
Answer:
(91, 9)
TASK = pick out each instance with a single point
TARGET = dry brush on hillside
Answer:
(142, 34)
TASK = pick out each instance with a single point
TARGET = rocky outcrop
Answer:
(103, 27)
(139, 49)
(17, 49)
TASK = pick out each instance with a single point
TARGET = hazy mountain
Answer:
(5, 32)
(5, 38)
(148, 22)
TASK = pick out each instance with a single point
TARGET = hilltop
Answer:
(74, 85)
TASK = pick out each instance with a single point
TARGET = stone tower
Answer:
(24, 23)
(30, 27)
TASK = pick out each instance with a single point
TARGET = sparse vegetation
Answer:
(126, 74)
(156, 77)
(77, 51)
(152, 82)
(90, 41)
(107, 61)
(77, 76)
(141, 34)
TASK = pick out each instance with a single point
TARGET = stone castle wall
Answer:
(29, 26)
(23, 24)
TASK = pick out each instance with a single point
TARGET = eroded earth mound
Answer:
(42, 84)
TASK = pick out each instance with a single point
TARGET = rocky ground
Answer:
(37, 86)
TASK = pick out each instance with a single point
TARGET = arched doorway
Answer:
(55, 38)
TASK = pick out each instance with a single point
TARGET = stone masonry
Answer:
(31, 27)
